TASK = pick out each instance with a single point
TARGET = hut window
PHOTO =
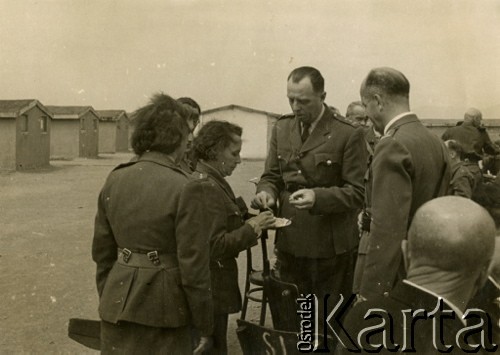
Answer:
(82, 124)
(24, 123)
(43, 123)
(95, 125)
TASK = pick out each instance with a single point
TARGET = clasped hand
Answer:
(303, 199)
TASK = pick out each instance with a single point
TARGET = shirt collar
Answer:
(315, 122)
(391, 122)
(457, 310)
(494, 282)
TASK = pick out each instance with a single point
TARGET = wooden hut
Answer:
(25, 127)
(257, 127)
(75, 132)
(114, 131)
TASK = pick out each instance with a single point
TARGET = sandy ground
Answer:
(46, 271)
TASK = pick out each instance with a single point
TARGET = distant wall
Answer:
(7, 144)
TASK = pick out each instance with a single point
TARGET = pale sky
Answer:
(113, 54)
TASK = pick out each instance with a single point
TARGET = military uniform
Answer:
(216, 214)
(462, 181)
(410, 167)
(364, 220)
(316, 250)
(475, 142)
(152, 276)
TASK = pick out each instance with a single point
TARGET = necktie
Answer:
(305, 131)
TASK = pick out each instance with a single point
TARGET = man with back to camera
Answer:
(474, 139)
(314, 172)
(410, 167)
(447, 257)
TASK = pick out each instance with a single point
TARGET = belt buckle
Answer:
(126, 254)
(154, 257)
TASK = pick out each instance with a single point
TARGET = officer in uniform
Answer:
(314, 177)
(474, 140)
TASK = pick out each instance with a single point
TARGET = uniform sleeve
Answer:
(462, 183)
(391, 203)
(229, 235)
(271, 180)
(349, 196)
(193, 252)
(104, 247)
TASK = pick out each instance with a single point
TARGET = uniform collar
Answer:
(391, 122)
(204, 168)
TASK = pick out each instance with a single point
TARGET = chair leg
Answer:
(245, 299)
(263, 306)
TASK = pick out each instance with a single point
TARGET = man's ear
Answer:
(323, 96)
(380, 101)
(404, 249)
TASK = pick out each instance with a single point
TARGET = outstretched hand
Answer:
(205, 344)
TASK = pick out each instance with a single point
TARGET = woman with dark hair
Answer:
(222, 218)
(188, 162)
(152, 277)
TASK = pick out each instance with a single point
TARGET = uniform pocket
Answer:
(328, 168)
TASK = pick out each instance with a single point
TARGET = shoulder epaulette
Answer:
(288, 115)
(345, 120)
(199, 175)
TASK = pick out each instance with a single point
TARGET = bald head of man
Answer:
(474, 116)
(451, 233)
(450, 246)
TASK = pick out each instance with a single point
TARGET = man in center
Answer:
(314, 177)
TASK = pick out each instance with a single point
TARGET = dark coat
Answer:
(410, 167)
(142, 207)
(332, 163)
(215, 214)
(403, 297)
(474, 141)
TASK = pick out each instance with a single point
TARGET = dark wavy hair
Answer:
(190, 102)
(160, 125)
(214, 137)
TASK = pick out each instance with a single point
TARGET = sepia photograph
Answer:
(249, 177)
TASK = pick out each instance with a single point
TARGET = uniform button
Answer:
(299, 171)
(328, 162)
(279, 156)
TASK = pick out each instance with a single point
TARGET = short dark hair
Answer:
(387, 81)
(455, 146)
(317, 81)
(160, 125)
(213, 137)
(488, 196)
(190, 102)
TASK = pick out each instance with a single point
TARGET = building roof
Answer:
(238, 107)
(111, 115)
(70, 112)
(14, 108)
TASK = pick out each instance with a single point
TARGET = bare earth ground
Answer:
(46, 271)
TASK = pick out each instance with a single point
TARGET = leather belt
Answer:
(152, 259)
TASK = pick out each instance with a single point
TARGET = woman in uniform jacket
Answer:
(152, 277)
(217, 214)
